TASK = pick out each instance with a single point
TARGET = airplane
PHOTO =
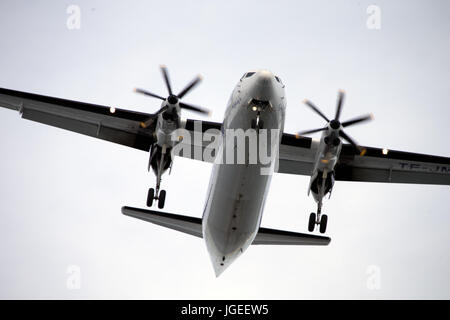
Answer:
(237, 191)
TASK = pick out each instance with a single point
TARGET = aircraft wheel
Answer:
(323, 223)
(312, 222)
(150, 197)
(253, 124)
(161, 199)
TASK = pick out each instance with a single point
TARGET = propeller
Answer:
(173, 99)
(335, 124)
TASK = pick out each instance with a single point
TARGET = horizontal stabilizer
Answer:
(280, 237)
(193, 226)
(189, 225)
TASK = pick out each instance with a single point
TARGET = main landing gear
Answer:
(323, 187)
(318, 219)
(161, 197)
(158, 195)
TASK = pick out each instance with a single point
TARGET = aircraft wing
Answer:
(394, 166)
(376, 165)
(297, 155)
(196, 144)
(103, 122)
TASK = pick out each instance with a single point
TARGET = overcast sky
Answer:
(61, 192)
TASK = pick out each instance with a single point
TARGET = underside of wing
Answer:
(382, 165)
(297, 155)
(201, 140)
(102, 122)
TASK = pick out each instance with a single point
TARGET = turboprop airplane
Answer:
(239, 183)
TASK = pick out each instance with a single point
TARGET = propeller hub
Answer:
(334, 124)
(172, 99)
(336, 142)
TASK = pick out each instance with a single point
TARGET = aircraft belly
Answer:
(235, 202)
(234, 210)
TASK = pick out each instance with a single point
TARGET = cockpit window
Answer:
(278, 79)
(247, 75)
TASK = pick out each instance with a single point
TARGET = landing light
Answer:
(112, 109)
(385, 151)
(254, 108)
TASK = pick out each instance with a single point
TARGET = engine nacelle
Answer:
(155, 159)
(318, 182)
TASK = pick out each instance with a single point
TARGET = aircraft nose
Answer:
(263, 86)
(264, 78)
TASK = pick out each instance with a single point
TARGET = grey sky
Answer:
(61, 192)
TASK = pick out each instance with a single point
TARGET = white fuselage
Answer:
(237, 192)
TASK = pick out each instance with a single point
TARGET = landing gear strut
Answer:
(319, 219)
(257, 123)
(159, 195)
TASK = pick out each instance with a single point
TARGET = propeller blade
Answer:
(147, 93)
(166, 78)
(194, 108)
(312, 106)
(162, 109)
(147, 123)
(357, 120)
(302, 133)
(349, 140)
(339, 104)
(189, 87)
(150, 120)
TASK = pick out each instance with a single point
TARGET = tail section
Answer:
(193, 226)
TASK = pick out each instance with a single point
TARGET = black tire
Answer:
(323, 223)
(312, 222)
(253, 124)
(150, 197)
(161, 199)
